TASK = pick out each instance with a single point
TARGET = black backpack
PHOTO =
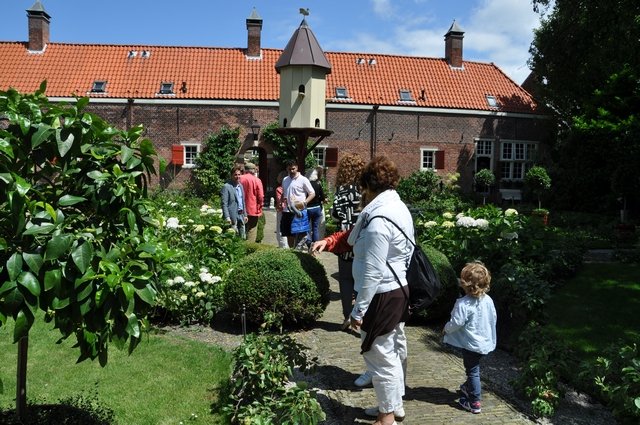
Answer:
(424, 283)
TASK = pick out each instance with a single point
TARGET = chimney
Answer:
(38, 27)
(254, 29)
(453, 46)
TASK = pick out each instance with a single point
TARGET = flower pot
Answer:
(543, 216)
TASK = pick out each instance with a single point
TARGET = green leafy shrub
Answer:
(418, 186)
(442, 305)
(293, 284)
(214, 163)
(192, 287)
(261, 390)
(519, 295)
(616, 376)
(251, 247)
(544, 362)
(76, 224)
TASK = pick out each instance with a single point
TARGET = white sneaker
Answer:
(363, 380)
(398, 415)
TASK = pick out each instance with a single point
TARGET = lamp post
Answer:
(255, 130)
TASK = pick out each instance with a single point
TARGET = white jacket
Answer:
(376, 242)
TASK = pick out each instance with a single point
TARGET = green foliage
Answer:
(76, 238)
(261, 390)
(292, 284)
(519, 295)
(418, 186)
(485, 177)
(284, 148)
(544, 359)
(616, 375)
(487, 234)
(214, 163)
(191, 289)
(538, 181)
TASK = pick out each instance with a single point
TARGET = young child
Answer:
(472, 328)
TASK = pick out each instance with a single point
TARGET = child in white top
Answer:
(472, 328)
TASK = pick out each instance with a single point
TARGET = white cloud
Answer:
(382, 8)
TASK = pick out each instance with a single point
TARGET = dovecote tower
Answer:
(303, 68)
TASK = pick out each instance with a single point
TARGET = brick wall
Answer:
(400, 135)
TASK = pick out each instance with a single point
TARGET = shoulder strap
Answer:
(394, 223)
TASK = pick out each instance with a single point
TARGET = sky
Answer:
(498, 31)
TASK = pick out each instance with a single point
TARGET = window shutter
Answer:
(331, 157)
(177, 154)
(439, 160)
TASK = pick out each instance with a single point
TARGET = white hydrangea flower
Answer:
(173, 223)
(459, 215)
(170, 282)
(448, 224)
(430, 223)
(482, 223)
(178, 279)
(183, 297)
(447, 215)
(190, 221)
(216, 279)
(206, 277)
(510, 212)
(200, 294)
(216, 229)
(189, 284)
(465, 222)
(198, 228)
(204, 270)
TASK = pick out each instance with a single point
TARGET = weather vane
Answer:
(304, 12)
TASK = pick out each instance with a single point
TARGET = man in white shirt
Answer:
(298, 192)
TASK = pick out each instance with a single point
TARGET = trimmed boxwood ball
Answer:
(289, 283)
(441, 307)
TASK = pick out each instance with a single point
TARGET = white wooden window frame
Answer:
(516, 158)
(428, 159)
(320, 154)
(189, 160)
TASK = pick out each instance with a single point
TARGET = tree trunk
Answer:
(21, 384)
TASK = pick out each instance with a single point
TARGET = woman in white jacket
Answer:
(381, 306)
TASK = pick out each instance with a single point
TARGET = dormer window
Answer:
(405, 96)
(341, 93)
(145, 53)
(166, 88)
(372, 61)
(492, 101)
(360, 61)
(99, 86)
(132, 54)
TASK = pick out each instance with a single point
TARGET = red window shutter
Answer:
(439, 160)
(331, 157)
(177, 154)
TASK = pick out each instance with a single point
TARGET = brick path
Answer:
(432, 378)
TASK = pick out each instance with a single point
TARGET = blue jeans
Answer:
(471, 362)
(315, 217)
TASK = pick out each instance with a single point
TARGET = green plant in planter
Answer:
(537, 179)
(486, 178)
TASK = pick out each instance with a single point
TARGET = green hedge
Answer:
(293, 285)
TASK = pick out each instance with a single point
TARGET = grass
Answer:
(597, 308)
(166, 380)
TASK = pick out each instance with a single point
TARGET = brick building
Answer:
(448, 114)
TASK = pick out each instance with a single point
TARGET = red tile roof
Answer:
(227, 74)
